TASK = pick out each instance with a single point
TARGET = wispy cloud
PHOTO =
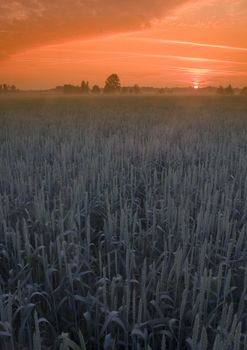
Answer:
(177, 57)
(191, 43)
(121, 54)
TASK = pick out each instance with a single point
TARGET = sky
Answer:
(160, 42)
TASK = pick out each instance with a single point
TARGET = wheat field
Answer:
(123, 223)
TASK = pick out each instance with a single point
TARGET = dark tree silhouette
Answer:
(244, 91)
(7, 88)
(220, 90)
(85, 87)
(125, 89)
(225, 91)
(112, 84)
(71, 89)
(96, 90)
(136, 89)
(229, 90)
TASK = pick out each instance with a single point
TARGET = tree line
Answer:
(112, 86)
(7, 88)
(230, 91)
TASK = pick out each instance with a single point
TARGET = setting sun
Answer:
(156, 43)
(123, 193)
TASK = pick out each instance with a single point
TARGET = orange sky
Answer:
(160, 42)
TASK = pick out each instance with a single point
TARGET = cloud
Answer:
(26, 24)
(196, 44)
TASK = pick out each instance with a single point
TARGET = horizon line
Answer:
(54, 88)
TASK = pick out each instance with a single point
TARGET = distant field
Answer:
(123, 223)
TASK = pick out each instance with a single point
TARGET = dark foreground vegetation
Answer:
(123, 223)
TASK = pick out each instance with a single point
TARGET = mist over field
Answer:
(123, 222)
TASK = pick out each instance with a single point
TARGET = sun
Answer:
(196, 86)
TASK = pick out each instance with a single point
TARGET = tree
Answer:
(229, 90)
(125, 89)
(96, 90)
(244, 91)
(7, 88)
(220, 90)
(85, 87)
(225, 91)
(71, 89)
(112, 84)
(136, 89)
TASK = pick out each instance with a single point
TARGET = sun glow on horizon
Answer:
(195, 44)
